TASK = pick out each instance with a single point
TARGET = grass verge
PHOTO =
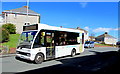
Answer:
(12, 43)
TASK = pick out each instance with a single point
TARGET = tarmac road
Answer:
(91, 61)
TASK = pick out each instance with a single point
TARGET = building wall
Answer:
(19, 20)
(86, 37)
(110, 41)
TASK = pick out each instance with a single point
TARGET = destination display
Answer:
(30, 27)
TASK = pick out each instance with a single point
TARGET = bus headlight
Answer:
(28, 54)
(17, 52)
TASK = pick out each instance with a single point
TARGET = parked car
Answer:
(96, 42)
(89, 44)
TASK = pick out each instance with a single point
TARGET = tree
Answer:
(4, 35)
(10, 28)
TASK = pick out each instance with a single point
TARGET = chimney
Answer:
(106, 32)
(78, 27)
(60, 26)
(26, 7)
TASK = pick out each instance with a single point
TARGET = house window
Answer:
(3, 16)
(15, 16)
(6, 15)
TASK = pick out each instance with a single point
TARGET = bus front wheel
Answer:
(73, 53)
(39, 58)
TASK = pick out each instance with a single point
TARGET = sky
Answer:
(61, 0)
(95, 17)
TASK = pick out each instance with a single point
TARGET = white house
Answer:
(19, 17)
(106, 38)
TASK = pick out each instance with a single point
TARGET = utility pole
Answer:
(27, 7)
(27, 19)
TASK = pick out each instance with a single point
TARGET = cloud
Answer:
(116, 29)
(83, 4)
(87, 28)
(100, 29)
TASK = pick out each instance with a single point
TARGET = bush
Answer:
(4, 35)
(102, 42)
(10, 28)
(0, 34)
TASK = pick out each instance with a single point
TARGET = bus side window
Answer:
(62, 41)
(42, 38)
(42, 41)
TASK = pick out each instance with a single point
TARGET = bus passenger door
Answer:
(50, 46)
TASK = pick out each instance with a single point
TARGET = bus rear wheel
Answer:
(39, 58)
(73, 53)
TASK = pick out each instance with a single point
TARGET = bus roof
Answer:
(48, 27)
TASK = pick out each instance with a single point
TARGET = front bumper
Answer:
(23, 57)
(86, 46)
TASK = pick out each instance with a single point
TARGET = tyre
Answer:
(39, 58)
(17, 58)
(73, 53)
(89, 46)
(119, 50)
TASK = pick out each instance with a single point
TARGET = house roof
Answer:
(82, 30)
(22, 10)
(105, 35)
(78, 28)
(91, 37)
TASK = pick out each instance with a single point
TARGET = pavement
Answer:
(7, 55)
